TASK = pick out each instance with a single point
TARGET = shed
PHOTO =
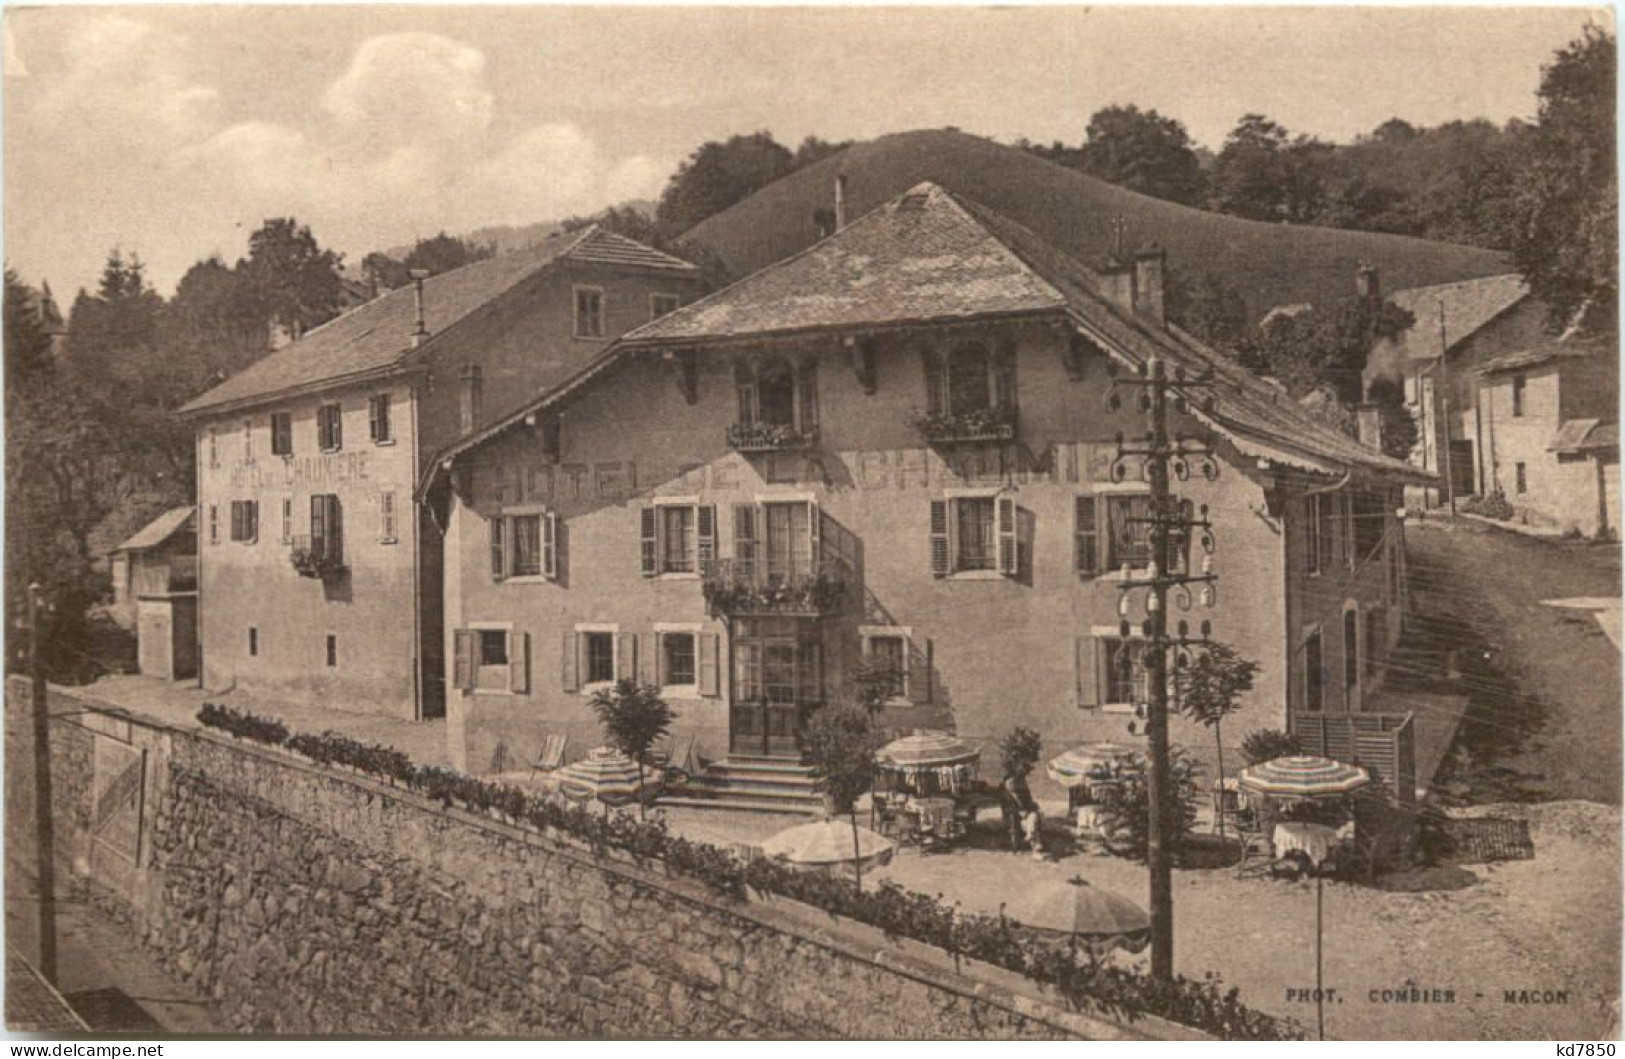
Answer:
(155, 582)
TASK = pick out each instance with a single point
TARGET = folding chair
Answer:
(552, 756)
(1250, 831)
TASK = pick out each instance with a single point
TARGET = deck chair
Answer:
(680, 761)
(552, 755)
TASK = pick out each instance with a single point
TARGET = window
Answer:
(248, 441)
(1086, 530)
(287, 520)
(491, 659)
(329, 428)
(678, 666)
(677, 538)
(969, 379)
(386, 517)
(1128, 543)
(1351, 651)
(886, 651)
(214, 524)
(1125, 680)
(589, 312)
(1320, 520)
(524, 545)
(772, 392)
(378, 425)
(245, 521)
(332, 651)
(469, 401)
(1370, 521)
(281, 434)
(253, 642)
(777, 663)
(661, 304)
(214, 447)
(598, 656)
(1314, 679)
(326, 528)
(1522, 471)
(1518, 384)
(493, 645)
(974, 533)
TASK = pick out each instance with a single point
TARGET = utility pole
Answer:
(1164, 457)
(1444, 402)
(44, 833)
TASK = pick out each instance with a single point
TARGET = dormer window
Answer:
(970, 393)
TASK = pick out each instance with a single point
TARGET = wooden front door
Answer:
(777, 676)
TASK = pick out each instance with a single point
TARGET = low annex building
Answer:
(319, 578)
(896, 446)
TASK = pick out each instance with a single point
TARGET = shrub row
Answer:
(996, 941)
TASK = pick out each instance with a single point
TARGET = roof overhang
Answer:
(187, 414)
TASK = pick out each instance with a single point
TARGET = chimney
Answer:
(421, 331)
(1368, 417)
(1367, 284)
(1117, 284)
(1149, 266)
(840, 201)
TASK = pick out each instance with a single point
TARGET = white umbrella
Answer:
(826, 843)
(1091, 761)
(1099, 919)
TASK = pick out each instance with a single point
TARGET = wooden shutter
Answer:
(649, 539)
(1087, 538)
(1086, 670)
(519, 663)
(745, 540)
(318, 526)
(649, 659)
(815, 537)
(337, 429)
(372, 418)
(705, 534)
(941, 558)
(253, 520)
(936, 383)
(499, 547)
(710, 652)
(236, 520)
(626, 656)
(1009, 542)
(462, 669)
(919, 671)
(550, 546)
(807, 394)
(569, 669)
(1004, 378)
(335, 528)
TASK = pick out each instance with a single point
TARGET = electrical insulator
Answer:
(1184, 628)
(1207, 630)
(1142, 711)
(1122, 605)
(1207, 595)
(1124, 630)
(1152, 603)
(1207, 564)
(1151, 570)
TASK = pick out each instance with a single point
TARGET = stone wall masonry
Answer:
(312, 900)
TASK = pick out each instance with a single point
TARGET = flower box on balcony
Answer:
(316, 561)
(984, 425)
(770, 437)
(741, 591)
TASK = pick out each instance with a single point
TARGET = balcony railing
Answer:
(318, 557)
(770, 437)
(964, 428)
(742, 588)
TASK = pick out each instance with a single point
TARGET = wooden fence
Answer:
(1384, 743)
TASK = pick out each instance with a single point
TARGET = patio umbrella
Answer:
(608, 775)
(1099, 919)
(926, 750)
(826, 843)
(1304, 776)
(1091, 761)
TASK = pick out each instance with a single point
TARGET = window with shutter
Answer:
(941, 557)
(710, 682)
(386, 517)
(745, 541)
(335, 528)
(318, 526)
(519, 663)
(253, 521)
(281, 434)
(329, 428)
(550, 546)
(649, 537)
(1085, 659)
(705, 517)
(745, 387)
(1009, 544)
(378, 424)
(1087, 537)
(525, 545)
(1128, 541)
(499, 548)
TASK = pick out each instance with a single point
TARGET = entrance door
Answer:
(776, 678)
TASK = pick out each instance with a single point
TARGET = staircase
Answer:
(752, 784)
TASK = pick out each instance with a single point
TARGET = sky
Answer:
(172, 132)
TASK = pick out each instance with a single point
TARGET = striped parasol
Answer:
(1091, 761)
(1304, 776)
(1099, 919)
(924, 750)
(608, 775)
(823, 843)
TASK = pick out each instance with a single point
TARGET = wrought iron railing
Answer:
(770, 437)
(743, 587)
(318, 557)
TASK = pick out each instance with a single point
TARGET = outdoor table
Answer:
(1315, 841)
(936, 815)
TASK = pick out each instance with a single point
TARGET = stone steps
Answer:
(751, 783)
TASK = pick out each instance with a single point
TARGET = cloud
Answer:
(125, 78)
(407, 87)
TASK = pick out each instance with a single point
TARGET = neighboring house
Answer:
(320, 578)
(896, 445)
(1472, 321)
(1549, 425)
(155, 590)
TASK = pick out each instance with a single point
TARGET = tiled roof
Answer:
(930, 256)
(1584, 435)
(1468, 306)
(1580, 344)
(158, 530)
(376, 337)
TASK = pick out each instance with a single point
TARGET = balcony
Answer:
(770, 437)
(974, 427)
(747, 588)
(321, 557)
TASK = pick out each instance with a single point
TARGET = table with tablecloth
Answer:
(1314, 841)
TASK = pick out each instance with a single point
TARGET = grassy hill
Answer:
(1270, 264)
